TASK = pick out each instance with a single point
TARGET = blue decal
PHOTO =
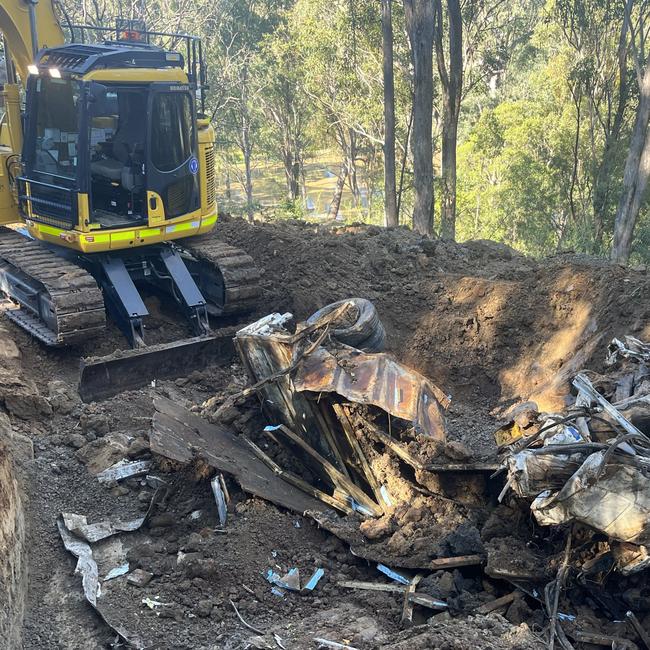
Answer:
(194, 165)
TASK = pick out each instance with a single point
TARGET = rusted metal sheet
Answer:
(375, 379)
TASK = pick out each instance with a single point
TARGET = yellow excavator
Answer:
(107, 179)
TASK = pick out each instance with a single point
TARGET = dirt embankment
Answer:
(13, 564)
(479, 319)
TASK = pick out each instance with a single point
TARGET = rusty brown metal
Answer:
(376, 379)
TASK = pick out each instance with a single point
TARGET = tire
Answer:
(365, 333)
(376, 341)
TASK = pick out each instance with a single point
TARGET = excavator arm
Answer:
(27, 27)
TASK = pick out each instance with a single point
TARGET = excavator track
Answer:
(60, 303)
(241, 278)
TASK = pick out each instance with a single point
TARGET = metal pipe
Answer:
(32, 26)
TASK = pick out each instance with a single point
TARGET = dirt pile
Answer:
(479, 319)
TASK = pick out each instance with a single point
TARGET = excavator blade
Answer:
(103, 377)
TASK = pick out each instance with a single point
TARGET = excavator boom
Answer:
(28, 27)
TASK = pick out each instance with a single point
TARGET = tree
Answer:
(451, 78)
(390, 195)
(635, 177)
(420, 26)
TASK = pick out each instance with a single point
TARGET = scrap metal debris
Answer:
(124, 469)
(586, 472)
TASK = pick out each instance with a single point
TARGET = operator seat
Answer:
(126, 140)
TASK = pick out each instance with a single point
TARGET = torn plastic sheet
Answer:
(116, 572)
(87, 567)
(289, 581)
(314, 580)
(78, 524)
(614, 499)
(124, 469)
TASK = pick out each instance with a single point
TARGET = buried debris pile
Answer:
(586, 473)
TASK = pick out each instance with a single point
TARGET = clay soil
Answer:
(489, 326)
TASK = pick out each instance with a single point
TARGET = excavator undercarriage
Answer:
(61, 297)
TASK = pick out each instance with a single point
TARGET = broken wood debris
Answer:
(417, 598)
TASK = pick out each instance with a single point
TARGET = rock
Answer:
(163, 520)
(62, 397)
(97, 423)
(144, 497)
(200, 567)
(120, 491)
(76, 440)
(8, 348)
(377, 528)
(137, 447)
(226, 414)
(21, 396)
(413, 514)
(204, 608)
(139, 578)
(457, 451)
(100, 454)
(194, 542)
(519, 612)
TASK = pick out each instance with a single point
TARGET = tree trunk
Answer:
(247, 152)
(338, 191)
(391, 218)
(451, 78)
(246, 146)
(419, 20)
(635, 176)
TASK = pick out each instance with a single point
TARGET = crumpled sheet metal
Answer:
(530, 473)
(78, 524)
(375, 379)
(617, 503)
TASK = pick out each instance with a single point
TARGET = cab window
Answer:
(172, 130)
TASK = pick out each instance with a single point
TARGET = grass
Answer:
(270, 193)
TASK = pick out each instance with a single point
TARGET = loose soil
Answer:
(486, 324)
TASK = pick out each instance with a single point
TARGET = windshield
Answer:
(172, 130)
(57, 126)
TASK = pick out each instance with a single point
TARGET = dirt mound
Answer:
(482, 321)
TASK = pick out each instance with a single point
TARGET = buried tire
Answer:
(359, 326)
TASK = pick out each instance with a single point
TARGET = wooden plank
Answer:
(596, 638)
(338, 478)
(343, 416)
(453, 562)
(497, 603)
(301, 484)
(424, 600)
(372, 586)
(394, 446)
(407, 605)
(180, 435)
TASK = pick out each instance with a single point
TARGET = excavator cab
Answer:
(129, 151)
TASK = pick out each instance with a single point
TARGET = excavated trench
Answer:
(486, 324)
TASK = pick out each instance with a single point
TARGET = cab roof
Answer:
(79, 58)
